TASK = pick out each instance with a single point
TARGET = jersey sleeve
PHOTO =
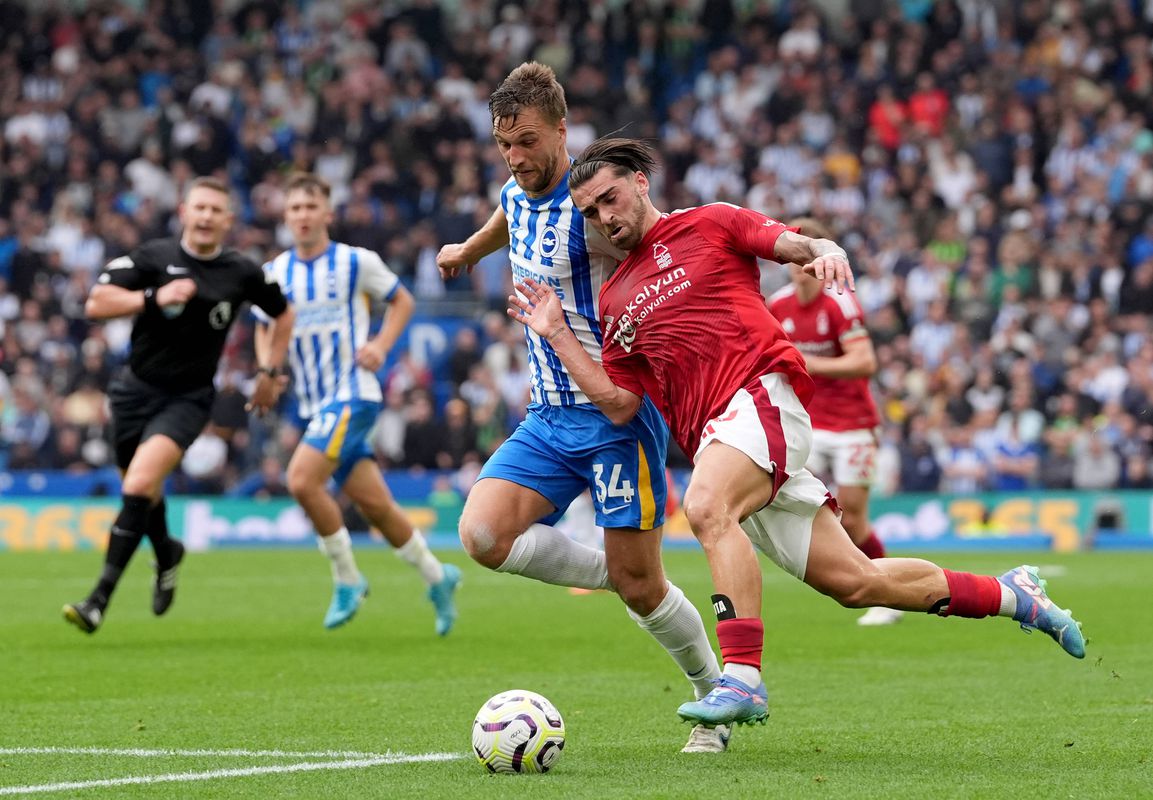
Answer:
(374, 276)
(135, 271)
(624, 372)
(263, 291)
(748, 231)
(269, 275)
(848, 321)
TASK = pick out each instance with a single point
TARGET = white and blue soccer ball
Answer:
(518, 731)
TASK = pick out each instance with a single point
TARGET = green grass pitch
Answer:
(929, 708)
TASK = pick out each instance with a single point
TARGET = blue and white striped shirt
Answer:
(331, 295)
(550, 242)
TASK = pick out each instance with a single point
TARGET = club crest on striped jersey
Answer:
(662, 256)
(549, 244)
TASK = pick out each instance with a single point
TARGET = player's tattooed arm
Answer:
(540, 309)
(824, 259)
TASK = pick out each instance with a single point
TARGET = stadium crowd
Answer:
(988, 165)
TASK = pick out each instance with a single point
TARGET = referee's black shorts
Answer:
(141, 410)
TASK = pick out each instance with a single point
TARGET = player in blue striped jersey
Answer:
(565, 444)
(334, 363)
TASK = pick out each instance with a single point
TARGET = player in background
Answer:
(334, 365)
(184, 294)
(685, 323)
(829, 330)
(565, 445)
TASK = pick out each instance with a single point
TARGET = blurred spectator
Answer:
(268, 481)
(457, 436)
(1015, 461)
(964, 469)
(920, 471)
(1095, 464)
(422, 433)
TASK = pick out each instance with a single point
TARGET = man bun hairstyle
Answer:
(624, 156)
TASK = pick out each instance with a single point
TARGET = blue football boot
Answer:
(441, 594)
(1036, 611)
(346, 599)
(731, 702)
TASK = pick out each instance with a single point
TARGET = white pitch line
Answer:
(151, 753)
(185, 777)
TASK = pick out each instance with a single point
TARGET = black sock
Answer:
(123, 540)
(157, 532)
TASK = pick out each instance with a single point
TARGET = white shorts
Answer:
(783, 530)
(849, 458)
(771, 427)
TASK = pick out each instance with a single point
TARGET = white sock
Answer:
(545, 554)
(1008, 602)
(677, 626)
(338, 548)
(745, 673)
(415, 551)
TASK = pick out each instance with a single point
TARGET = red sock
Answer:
(972, 595)
(741, 640)
(872, 547)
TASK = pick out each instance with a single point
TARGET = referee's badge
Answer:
(220, 315)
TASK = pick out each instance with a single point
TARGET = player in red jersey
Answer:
(829, 330)
(683, 321)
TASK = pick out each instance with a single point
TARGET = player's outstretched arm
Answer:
(372, 355)
(540, 309)
(824, 259)
(452, 258)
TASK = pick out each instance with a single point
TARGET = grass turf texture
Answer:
(927, 708)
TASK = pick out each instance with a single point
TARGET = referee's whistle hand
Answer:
(180, 290)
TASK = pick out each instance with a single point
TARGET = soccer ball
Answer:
(518, 731)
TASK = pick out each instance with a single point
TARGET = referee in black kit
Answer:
(185, 294)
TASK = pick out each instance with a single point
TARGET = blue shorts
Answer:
(559, 451)
(340, 431)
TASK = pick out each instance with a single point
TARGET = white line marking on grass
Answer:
(151, 753)
(185, 777)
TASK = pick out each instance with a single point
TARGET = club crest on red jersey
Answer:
(662, 256)
(626, 333)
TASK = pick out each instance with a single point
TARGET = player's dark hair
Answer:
(624, 156)
(811, 227)
(531, 85)
(309, 182)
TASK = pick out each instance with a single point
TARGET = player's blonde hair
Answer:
(531, 85)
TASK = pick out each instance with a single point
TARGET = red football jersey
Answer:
(684, 319)
(819, 329)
